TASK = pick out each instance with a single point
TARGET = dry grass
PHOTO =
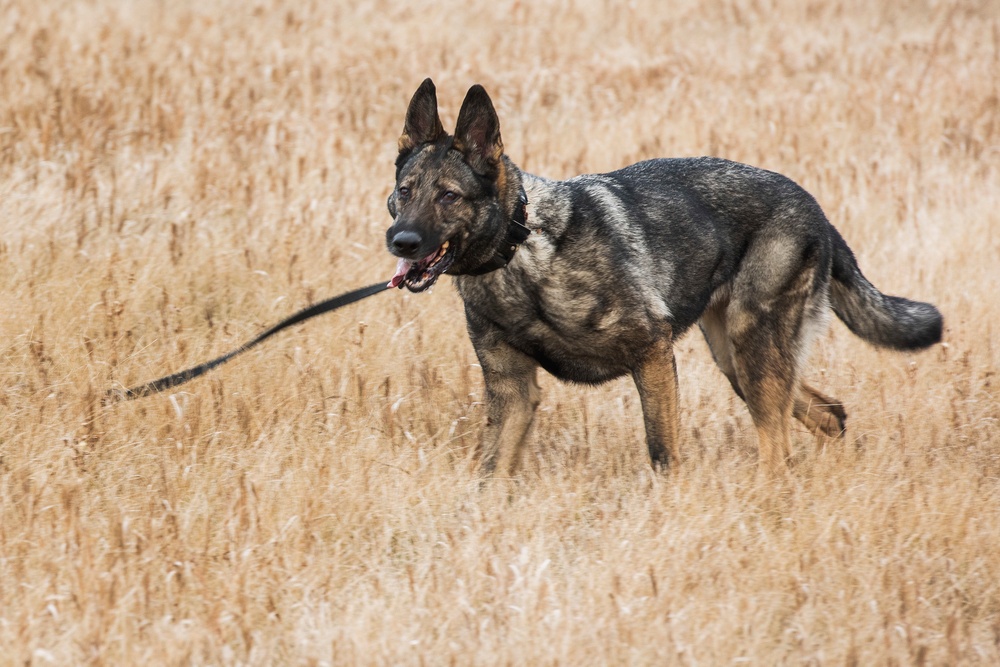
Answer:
(175, 176)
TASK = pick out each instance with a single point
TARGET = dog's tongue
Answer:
(401, 268)
(404, 265)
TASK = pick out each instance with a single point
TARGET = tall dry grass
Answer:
(175, 176)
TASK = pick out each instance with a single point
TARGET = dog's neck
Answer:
(517, 233)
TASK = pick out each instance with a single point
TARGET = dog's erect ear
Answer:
(477, 134)
(422, 122)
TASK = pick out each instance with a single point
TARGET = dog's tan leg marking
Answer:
(766, 375)
(656, 380)
(767, 319)
(771, 406)
(768, 398)
(820, 413)
(512, 394)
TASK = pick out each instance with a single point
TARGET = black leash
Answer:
(517, 232)
(169, 381)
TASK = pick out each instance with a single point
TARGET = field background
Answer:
(175, 176)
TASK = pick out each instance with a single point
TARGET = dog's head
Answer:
(451, 198)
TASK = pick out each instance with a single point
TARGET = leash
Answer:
(115, 395)
(517, 232)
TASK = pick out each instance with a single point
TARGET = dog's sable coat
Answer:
(618, 266)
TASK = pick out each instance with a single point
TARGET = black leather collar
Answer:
(517, 233)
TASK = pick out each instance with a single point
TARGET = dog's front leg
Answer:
(656, 379)
(512, 394)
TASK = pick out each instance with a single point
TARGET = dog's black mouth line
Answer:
(418, 276)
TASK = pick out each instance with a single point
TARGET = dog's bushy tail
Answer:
(886, 321)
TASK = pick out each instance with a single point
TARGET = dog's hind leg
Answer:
(512, 394)
(766, 378)
(656, 380)
(819, 413)
(768, 322)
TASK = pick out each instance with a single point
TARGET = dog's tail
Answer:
(886, 321)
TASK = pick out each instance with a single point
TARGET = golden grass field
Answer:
(176, 176)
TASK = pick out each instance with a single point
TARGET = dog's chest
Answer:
(575, 312)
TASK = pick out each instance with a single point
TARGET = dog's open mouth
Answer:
(418, 276)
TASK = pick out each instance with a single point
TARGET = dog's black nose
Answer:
(406, 243)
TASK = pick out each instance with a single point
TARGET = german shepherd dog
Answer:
(597, 276)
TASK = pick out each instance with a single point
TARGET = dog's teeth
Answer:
(440, 253)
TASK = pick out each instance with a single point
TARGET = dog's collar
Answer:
(517, 232)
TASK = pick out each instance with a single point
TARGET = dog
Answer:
(598, 276)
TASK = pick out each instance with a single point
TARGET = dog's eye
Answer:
(449, 197)
(404, 193)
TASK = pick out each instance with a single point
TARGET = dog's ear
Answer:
(422, 122)
(477, 134)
